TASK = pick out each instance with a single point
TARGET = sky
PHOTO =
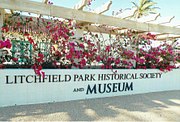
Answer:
(168, 8)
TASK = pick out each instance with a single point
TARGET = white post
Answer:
(81, 5)
(78, 33)
(1, 20)
(1, 24)
(103, 8)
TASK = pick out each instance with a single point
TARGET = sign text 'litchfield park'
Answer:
(121, 82)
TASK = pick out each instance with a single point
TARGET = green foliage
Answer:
(144, 8)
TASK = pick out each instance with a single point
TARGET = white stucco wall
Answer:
(14, 90)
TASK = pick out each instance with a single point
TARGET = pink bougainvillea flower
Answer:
(117, 61)
(102, 66)
(151, 36)
(141, 61)
(7, 43)
(72, 44)
(40, 58)
(108, 48)
(26, 34)
(5, 29)
(144, 67)
(94, 50)
(124, 62)
(39, 67)
(83, 62)
(98, 58)
(1, 66)
(69, 56)
(153, 67)
(169, 68)
(81, 45)
(41, 55)
(109, 59)
(89, 3)
(15, 59)
(161, 69)
(37, 72)
(42, 74)
(1, 44)
(110, 67)
(30, 19)
(31, 41)
(49, 2)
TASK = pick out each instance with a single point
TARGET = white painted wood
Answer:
(45, 1)
(78, 33)
(167, 36)
(81, 4)
(103, 8)
(1, 20)
(149, 18)
(38, 8)
(126, 13)
(18, 93)
(163, 20)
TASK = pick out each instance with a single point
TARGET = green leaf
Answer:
(148, 5)
(135, 4)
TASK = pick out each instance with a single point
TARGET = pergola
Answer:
(94, 21)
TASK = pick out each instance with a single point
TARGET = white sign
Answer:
(22, 86)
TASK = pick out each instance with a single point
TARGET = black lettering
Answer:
(75, 77)
(45, 78)
(121, 77)
(116, 77)
(86, 77)
(37, 79)
(7, 80)
(100, 76)
(67, 78)
(15, 79)
(80, 78)
(114, 87)
(89, 90)
(78, 89)
(92, 77)
(101, 87)
(129, 87)
(27, 79)
(160, 74)
(21, 77)
(107, 77)
(49, 78)
(119, 87)
(54, 78)
(141, 76)
(108, 88)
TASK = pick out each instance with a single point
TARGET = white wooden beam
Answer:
(127, 13)
(168, 21)
(103, 8)
(149, 18)
(1, 20)
(45, 1)
(81, 4)
(167, 36)
(38, 8)
(163, 20)
(106, 30)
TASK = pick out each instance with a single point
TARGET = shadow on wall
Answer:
(132, 107)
